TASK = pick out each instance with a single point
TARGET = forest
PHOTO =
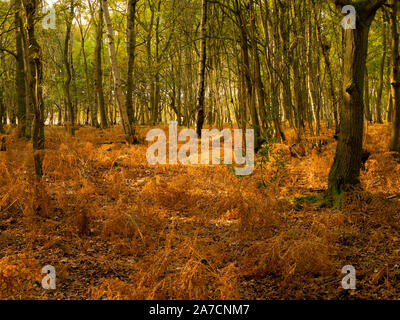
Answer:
(199, 149)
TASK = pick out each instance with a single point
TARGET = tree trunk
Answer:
(129, 132)
(379, 118)
(346, 167)
(91, 109)
(98, 72)
(156, 88)
(35, 85)
(131, 42)
(2, 111)
(246, 70)
(325, 52)
(368, 114)
(67, 65)
(28, 97)
(202, 70)
(20, 71)
(257, 71)
(395, 78)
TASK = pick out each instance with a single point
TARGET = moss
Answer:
(306, 199)
(321, 201)
(337, 200)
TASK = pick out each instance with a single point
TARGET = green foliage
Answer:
(277, 159)
(302, 200)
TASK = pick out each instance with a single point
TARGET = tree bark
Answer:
(20, 71)
(2, 110)
(368, 113)
(89, 92)
(98, 71)
(379, 118)
(202, 70)
(131, 42)
(67, 65)
(128, 129)
(35, 85)
(346, 167)
(246, 71)
(395, 78)
(325, 52)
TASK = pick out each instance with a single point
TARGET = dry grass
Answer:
(115, 227)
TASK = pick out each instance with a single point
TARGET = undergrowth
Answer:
(115, 227)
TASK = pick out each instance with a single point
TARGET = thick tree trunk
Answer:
(346, 167)
(395, 78)
(203, 57)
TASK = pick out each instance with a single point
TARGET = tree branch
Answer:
(9, 52)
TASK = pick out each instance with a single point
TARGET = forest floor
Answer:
(115, 227)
